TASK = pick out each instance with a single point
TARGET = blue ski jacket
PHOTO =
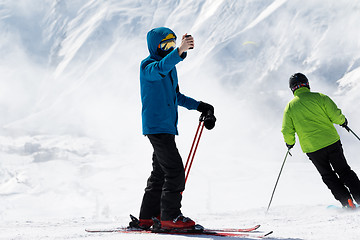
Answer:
(160, 95)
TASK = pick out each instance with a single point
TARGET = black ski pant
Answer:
(336, 173)
(167, 180)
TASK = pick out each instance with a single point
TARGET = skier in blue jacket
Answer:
(160, 96)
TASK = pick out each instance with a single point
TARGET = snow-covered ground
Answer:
(72, 155)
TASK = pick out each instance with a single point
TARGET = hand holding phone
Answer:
(189, 37)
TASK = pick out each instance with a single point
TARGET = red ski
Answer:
(183, 232)
(195, 230)
(234, 229)
(239, 230)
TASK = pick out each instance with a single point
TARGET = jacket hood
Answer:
(154, 38)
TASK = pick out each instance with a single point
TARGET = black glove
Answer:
(344, 125)
(289, 146)
(205, 108)
(207, 115)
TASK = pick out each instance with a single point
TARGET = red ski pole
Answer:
(195, 143)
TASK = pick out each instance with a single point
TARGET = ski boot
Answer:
(142, 224)
(350, 205)
(180, 224)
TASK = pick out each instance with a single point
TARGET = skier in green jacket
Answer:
(312, 116)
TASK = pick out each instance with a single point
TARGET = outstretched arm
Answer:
(156, 70)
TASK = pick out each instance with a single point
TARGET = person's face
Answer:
(167, 45)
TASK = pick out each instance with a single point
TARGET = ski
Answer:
(183, 232)
(239, 230)
(195, 230)
(357, 207)
(234, 229)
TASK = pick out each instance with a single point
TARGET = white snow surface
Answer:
(72, 155)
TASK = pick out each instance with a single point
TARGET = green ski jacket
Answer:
(312, 116)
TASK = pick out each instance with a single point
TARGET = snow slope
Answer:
(71, 151)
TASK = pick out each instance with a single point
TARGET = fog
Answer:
(70, 101)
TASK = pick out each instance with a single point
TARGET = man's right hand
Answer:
(186, 44)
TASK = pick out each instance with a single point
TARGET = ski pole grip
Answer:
(209, 119)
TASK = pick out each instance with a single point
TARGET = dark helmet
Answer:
(298, 80)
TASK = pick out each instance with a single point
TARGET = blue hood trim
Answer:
(154, 38)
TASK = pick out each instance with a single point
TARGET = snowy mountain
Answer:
(71, 150)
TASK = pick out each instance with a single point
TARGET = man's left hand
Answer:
(345, 125)
(289, 146)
